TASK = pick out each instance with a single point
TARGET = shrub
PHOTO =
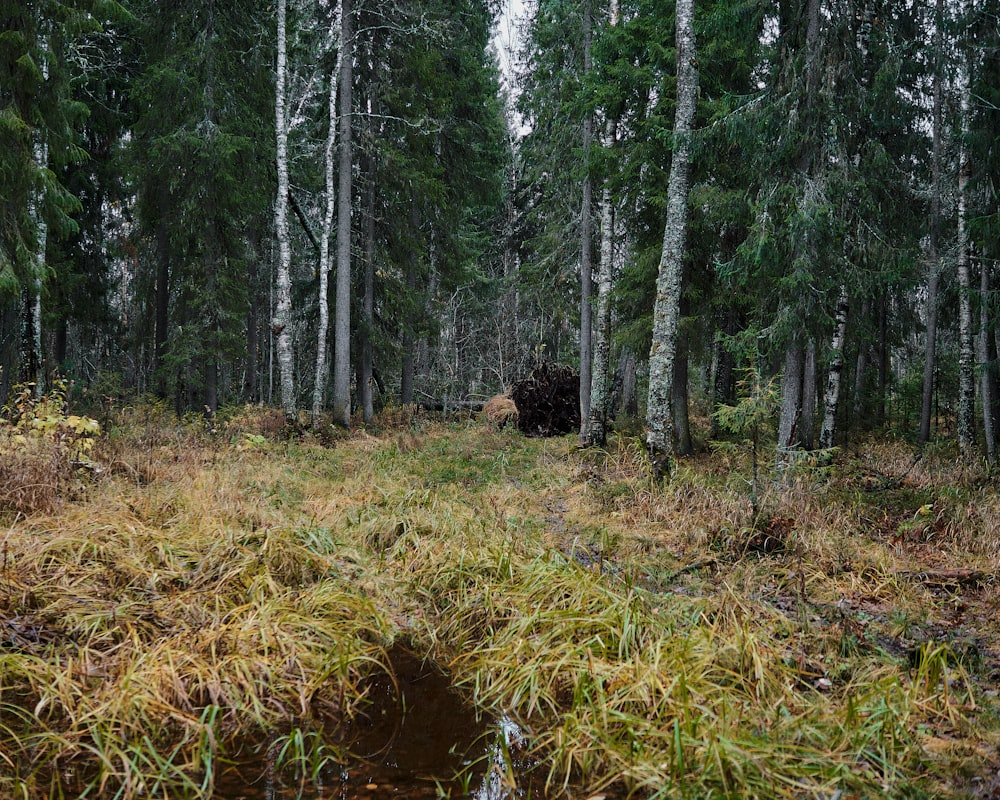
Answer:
(44, 451)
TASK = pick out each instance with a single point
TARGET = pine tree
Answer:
(39, 130)
(203, 101)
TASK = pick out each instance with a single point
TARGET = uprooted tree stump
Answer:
(548, 401)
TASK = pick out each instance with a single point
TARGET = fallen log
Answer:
(942, 578)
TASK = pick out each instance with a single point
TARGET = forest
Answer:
(288, 291)
(333, 209)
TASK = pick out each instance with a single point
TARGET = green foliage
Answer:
(754, 413)
(750, 418)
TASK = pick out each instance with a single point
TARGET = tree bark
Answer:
(967, 390)
(596, 427)
(41, 154)
(281, 324)
(342, 334)
(319, 384)
(831, 401)
(883, 358)
(679, 398)
(161, 313)
(933, 266)
(985, 372)
(666, 311)
(409, 337)
(251, 379)
(586, 244)
(365, 349)
(807, 420)
(791, 397)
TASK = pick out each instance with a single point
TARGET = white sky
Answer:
(506, 41)
(506, 36)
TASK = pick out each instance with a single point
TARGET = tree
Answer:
(202, 97)
(39, 125)
(281, 325)
(659, 423)
(329, 208)
(595, 419)
(342, 321)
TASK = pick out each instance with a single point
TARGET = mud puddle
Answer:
(419, 738)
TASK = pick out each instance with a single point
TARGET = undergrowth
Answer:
(200, 586)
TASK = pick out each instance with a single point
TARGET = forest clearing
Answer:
(737, 261)
(175, 591)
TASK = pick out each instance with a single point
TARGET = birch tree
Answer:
(41, 154)
(281, 324)
(832, 398)
(666, 312)
(329, 163)
(598, 397)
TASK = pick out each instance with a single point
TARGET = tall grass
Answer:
(236, 586)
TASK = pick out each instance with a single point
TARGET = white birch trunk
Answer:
(41, 154)
(832, 400)
(666, 311)
(342, 343)
(319, 385)
(596, 425)
(42, 235)
(281, 323)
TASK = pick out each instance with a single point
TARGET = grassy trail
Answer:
(653, 640)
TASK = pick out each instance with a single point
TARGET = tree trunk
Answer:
(791, 397)
(37, 359)
(666, 311)
(679, 398)
(281, 324)
(586, 256)
(365, 349)
(161, 314)
(883, 358)
(933, 266)
(319, 384)
(831, 401)
(251, 379)
(41, 154)
(985, 371)
(967, 391)
(342, 339)
(597, 426)
(409, 337)
(807, 420)
(860, 371)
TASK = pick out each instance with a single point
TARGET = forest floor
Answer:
(177, 590)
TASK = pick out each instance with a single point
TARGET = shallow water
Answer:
(418, 739)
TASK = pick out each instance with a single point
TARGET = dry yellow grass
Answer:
(654, 639)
